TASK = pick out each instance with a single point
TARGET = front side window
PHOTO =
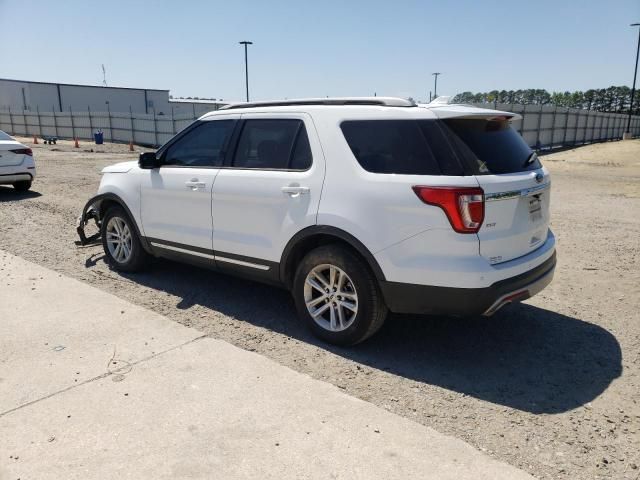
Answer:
(273, 144)
(203, 146)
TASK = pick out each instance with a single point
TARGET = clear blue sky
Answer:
(325, 47)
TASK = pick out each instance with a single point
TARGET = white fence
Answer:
(548, 126)
(141, 129)
(542, 126)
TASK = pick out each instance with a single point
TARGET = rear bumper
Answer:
(23, 172)
(7, 179)
(425, 299)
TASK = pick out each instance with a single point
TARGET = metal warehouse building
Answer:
(19, 95)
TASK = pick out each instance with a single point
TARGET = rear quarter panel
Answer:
(378, 209)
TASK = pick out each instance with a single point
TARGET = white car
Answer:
(357, 206)
(17, 166)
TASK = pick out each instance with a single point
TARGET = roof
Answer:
(79, 85)
(363, 108)
(333, 101)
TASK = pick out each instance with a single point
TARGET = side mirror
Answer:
(148, 160)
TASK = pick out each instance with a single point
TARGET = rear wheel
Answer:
(120, 241)
(22, 186)
(337, 296)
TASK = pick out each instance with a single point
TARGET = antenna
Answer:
(104, 76)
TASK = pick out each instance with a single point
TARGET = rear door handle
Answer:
(294, 191)
(194, 184)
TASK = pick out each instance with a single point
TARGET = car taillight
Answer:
(23, 151)
(464, 206)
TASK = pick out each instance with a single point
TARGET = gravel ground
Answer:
(551, 386)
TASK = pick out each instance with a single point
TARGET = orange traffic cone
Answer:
(131, 146)
(35, 140)
(77, 145)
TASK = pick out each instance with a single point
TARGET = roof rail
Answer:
(381, 101)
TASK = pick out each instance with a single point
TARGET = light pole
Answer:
(246, 66)
(635, 73)
(435, 86)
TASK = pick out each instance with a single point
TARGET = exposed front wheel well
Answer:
(108, 201)
(106, 204)
(298, 249)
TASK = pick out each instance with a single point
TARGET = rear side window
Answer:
(274, 144)
(202, 146)
(301, 158)
(491, 146)
(409, 147)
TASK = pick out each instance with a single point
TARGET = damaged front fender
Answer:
(90, 211)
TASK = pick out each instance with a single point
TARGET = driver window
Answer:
(201, 147)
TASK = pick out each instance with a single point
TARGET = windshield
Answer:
(491, 146)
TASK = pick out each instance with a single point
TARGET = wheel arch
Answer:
(101, 203)
(317, 235)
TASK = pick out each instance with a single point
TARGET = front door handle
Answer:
(294, 191)
(194, 184)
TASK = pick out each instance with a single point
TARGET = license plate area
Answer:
(535, 208)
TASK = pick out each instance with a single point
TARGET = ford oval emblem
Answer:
(539, 177)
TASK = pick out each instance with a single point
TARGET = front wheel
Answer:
(337, 296)
(120, 241)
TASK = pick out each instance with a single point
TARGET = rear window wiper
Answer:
(530, 159)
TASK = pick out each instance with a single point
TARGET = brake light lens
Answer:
(464, 206)
(23, 151)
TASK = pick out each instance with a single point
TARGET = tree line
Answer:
(612, 99)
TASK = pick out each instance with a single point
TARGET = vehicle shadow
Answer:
(523, 357)
(10, 194)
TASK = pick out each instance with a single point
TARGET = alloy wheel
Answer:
(330, 297)
(119, 239)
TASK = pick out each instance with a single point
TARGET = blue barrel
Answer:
(99, 138)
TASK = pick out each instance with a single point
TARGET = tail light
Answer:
(464, 206)
(23, 151)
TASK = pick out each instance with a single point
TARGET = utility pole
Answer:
(246, 65)
(633, 89)
(435, 86)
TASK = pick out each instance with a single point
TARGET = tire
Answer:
(359, 286)
(117, 224)
(22, 186)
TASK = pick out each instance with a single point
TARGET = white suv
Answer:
(358, 206)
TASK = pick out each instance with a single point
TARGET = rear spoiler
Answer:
(445, 110)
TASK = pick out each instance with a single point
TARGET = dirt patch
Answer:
(84, 146)
(551, 386)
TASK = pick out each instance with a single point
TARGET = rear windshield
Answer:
(491, 146)
(435, 147)
(4, 136)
